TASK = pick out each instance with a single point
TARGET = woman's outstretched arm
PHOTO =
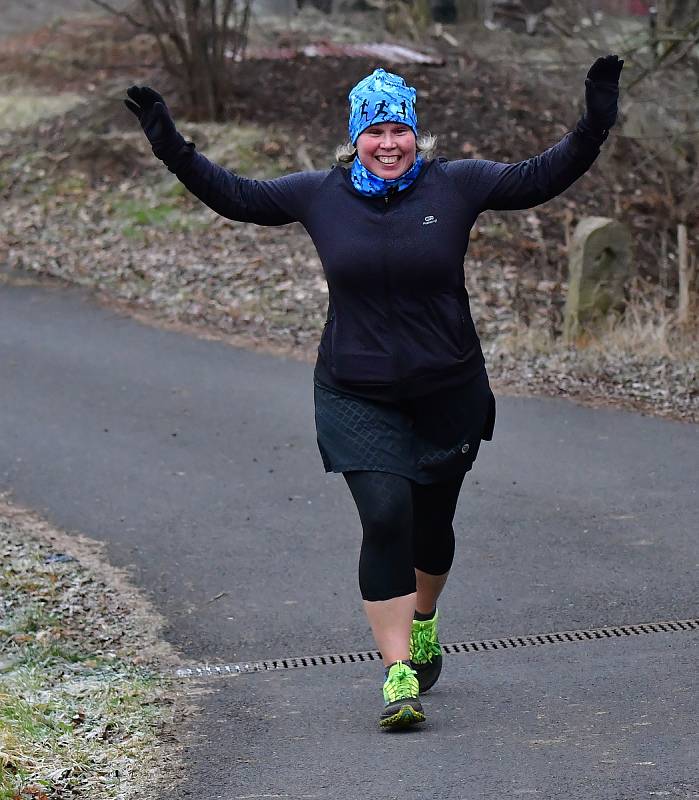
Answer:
(273, 202)
(531, 182)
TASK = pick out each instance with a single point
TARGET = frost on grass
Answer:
(80, 715)
(19, 109)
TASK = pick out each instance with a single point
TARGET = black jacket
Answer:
(398, 321)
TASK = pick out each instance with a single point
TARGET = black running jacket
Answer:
(398, 318)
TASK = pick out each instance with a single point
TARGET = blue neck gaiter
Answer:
(371, 185)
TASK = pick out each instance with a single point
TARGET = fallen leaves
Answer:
(111, 218)
(31, 792)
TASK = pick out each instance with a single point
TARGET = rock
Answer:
(599, 265)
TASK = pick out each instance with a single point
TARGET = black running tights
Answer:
(405, 525)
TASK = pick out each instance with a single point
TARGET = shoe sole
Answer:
(403, 718)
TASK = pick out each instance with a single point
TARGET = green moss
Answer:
(74, 183)
(166, 207)
(495, 229)
(247, 150)
(139, 212)
(137, 235)
(174, 189)
(30, 620)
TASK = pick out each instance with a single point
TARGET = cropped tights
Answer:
(405, 525)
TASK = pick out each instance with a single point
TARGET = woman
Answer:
(402, 399)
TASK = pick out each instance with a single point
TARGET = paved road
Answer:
(197, 464)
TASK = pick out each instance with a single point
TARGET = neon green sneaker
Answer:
(426, 652)
(400, 693)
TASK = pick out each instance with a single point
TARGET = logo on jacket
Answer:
(429, 220)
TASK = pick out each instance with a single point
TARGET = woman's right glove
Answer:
(157, 124)
(602, 94)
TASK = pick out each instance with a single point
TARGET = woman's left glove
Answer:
(602, 94)
(155, 119)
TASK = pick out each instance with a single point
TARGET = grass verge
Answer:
(19, 109)
(644, 359)
(84, 711)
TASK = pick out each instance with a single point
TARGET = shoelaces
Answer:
(401, 682)
(424, 646)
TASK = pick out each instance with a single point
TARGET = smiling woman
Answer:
(425, 146)
(387, 149)
(401, 393)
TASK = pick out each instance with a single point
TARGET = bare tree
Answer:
(199, 41)
(675, 14)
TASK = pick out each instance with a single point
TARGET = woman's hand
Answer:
(602, 93)
(155, 119)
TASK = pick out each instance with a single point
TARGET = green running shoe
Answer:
(426, 652)
(400, 693)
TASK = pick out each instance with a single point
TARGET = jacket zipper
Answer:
(387, 284)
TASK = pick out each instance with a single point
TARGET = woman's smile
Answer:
(387, 149)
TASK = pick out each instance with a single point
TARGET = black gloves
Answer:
(157, 124)
(601, 94)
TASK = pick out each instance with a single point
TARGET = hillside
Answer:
(84, 199)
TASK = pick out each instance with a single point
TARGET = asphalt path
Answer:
(196, 463)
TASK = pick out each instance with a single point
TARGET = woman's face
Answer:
(387, 149)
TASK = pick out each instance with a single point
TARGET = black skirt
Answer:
(426, 439)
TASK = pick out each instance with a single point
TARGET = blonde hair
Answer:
(426, 145)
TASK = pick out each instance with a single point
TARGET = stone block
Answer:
(600, 262)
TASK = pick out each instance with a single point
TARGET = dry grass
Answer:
(79, 717)
(643, 360)
(649, 328)
(646, 329)
(19, 109)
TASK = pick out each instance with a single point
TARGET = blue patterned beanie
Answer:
(381, 97)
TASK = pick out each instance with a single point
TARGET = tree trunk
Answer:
(683, 311)
(199, 41)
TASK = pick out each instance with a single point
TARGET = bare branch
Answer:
(690, 29)
(192, 37)
(118, 13)
(167, 23)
